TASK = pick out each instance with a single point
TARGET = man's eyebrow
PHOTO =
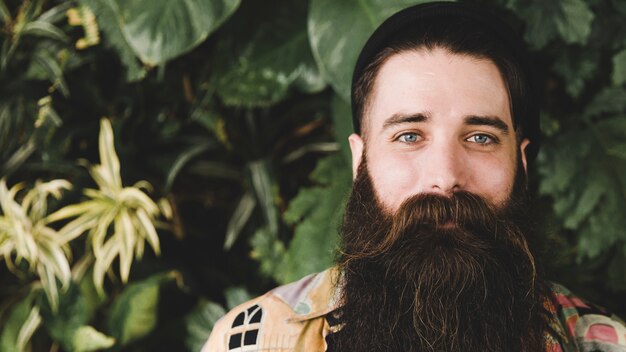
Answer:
(492, 121)
(397, 119)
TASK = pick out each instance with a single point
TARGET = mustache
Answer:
(427, 214)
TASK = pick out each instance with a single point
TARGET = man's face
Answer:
(438, 122)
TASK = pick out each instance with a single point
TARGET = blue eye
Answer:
(409, 137)
(481, 139)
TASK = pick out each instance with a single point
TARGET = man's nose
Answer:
(445, 172)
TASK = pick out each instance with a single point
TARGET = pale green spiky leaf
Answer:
(49, 285)
(129, 237)
(78, 226)
(35, 200)
(44, 29)
(26, 237)
(149, 230)
(103, 261)
(134, 198)
(110, 164)
(239, 218)
(118, 219)
(51, 255)
(28, 329)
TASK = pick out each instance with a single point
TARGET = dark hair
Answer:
(460, 29)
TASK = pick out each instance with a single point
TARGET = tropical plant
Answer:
(127, 210)
(26, 236)
(118, 220)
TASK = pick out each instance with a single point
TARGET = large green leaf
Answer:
(114, 37)
(263, 54)
(608, 101)
(338, 30)
(86, 338)
(576, 68)
(160, 30)
(583, 171)
(134, 312)
(569, 19)
(316, 212)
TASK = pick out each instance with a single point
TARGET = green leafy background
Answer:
(237, 113)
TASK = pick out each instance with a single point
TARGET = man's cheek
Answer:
(393, 185)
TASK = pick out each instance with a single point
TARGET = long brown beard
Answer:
(441, 274)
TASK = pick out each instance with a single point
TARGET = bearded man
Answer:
(437, 247)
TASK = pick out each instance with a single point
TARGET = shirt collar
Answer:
(313, 296)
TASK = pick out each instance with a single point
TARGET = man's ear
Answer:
(523, 144)
(356, 147)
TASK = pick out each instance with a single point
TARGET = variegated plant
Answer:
(26, 236)
(119, 220)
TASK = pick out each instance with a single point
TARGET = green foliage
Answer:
(127, 210)
(21, 323)
(619, 68)
(241, 129)
(546, 20)
(591, 199)
(201, 320)
(269, 250)
(108, 23)
(269, 54)
(27, 116)
(26, 236)
(86, 338)
(68, 325)
(338, 30)
(160, 30)
(342, 123)
(134, 313)
(576, 69)
(316, 213)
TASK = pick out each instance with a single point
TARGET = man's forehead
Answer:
(417, 85)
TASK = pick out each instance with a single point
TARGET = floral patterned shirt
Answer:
(295, 317)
